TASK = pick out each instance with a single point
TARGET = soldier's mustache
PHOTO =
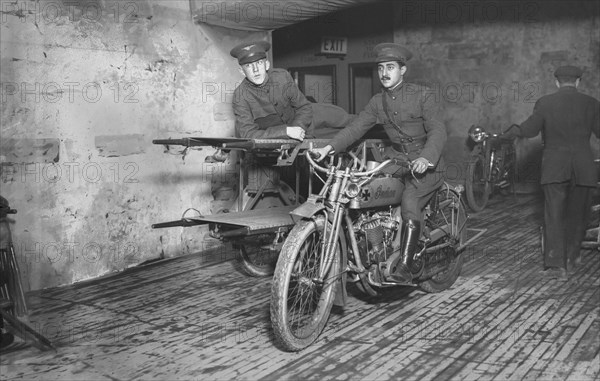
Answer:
(385, 78)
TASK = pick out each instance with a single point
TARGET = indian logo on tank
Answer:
(388, 193)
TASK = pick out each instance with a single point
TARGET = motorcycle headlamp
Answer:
(477, 133)
(352, 190)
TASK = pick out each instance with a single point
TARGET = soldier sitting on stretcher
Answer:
(269, 105)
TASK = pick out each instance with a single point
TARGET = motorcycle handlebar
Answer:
(374, 170)
(502, 134)
(510, 127)
(313, 163)
(356, 174)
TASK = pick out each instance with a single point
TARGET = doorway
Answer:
(364, 83)
(316, 82)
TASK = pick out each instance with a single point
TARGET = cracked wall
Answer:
(86, 86)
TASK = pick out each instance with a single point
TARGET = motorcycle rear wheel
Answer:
(452, 216)
(300, 302)
(477, 188)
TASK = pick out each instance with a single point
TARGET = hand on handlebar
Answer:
(420, 165)
(512, 134)
(320, 153)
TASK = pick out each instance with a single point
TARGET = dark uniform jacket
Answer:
(566, 118)
(265, 111)
(413, 108)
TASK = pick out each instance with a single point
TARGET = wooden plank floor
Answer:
(186, 319)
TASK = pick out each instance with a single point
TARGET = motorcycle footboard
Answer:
(245, 222)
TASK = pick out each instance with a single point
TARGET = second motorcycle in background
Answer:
(492, 167)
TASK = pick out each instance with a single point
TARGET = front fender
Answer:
(341, 294)
(307, 210)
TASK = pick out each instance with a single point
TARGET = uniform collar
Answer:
(396, 88)
(568, 88)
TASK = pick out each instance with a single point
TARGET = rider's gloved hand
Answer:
(320, 153)
(420, 165)
(294, 132)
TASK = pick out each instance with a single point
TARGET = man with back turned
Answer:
(566, 120)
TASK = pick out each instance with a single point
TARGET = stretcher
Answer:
(257, 229)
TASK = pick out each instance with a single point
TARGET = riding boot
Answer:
(410, 236)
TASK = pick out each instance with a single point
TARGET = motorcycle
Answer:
(492, 167)
(13, 303)
(349, 232)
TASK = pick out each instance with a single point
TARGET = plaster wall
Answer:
(86, 86)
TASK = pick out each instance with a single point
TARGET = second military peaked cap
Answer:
(388, 51)
(248, 52)
(568, 71)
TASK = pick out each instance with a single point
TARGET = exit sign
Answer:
(334, 45)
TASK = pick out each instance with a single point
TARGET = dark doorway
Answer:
(364, 83)
(316, 82)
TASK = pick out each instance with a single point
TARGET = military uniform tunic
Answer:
(265, 111)
(412, 108)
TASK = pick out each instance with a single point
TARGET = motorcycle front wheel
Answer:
(477, 188)
(510, 175)
(301, 301)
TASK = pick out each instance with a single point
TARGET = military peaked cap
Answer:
(568, 71)
(388, 51)
(250, 51)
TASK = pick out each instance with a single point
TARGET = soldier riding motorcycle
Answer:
(352, 231)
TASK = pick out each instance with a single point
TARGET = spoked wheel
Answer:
(451, 219)
(477, 187)
(510, 173)
(301, 300)
(256, 257)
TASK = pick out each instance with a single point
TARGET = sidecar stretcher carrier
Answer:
(245, 223)
(255, 221)
(260, 225)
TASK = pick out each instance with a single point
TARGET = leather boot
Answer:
(410, 236)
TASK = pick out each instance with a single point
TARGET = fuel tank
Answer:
(380, 191)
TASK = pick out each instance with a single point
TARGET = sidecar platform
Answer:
(241, 223)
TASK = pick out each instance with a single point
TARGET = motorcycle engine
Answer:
(375, 234)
